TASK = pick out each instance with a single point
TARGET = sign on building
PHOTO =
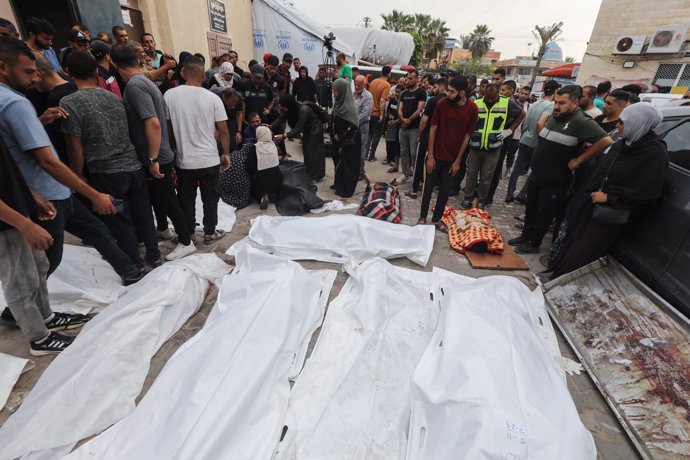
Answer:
(216, 12)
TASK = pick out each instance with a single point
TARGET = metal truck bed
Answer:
(636, 348)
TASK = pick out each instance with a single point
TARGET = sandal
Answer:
(441, 227)
(209, 239)
(421, 221)
(411, 194)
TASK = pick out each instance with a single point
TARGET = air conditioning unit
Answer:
(668, 39)
(629, 44)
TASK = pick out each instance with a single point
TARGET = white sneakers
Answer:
(166, 234)
(180, 251)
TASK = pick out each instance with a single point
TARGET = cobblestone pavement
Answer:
(612, 443)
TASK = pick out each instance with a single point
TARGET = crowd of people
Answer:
(111, 139)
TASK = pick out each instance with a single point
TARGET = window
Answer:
(678, 143)
(670, 75)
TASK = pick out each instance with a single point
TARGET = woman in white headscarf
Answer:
(262, 164)
(629, 178)
(225, 78)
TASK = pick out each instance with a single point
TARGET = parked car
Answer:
(657, 247)
(659, 99)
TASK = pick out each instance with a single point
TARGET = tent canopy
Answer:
(280, 28)
(392, 48)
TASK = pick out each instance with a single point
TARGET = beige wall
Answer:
(181, 25)
(6, 12)
(629, 17)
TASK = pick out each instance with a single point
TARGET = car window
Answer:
(678, 143)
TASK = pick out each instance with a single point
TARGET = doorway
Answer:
(59, 13)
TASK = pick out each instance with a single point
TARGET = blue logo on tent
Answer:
(309, 47)
(258, 43)
(283, 44)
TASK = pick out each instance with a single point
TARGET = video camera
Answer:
(328, 41)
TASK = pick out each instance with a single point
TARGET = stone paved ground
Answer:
(611, 441)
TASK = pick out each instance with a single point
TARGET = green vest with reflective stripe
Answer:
(490, 122)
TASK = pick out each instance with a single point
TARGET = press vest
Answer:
(490, 122)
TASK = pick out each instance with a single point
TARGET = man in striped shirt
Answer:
(557, 155)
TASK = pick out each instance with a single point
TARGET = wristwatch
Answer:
(153, 161)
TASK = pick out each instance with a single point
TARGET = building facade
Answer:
(520, 69)
(209, 27)
(638, 41)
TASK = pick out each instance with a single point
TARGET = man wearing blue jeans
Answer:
(97, 137)
(537, 115)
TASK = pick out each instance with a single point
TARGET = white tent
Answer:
(281, 28)
(392, 48)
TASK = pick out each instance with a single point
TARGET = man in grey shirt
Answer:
(97, 135)
(148, 129)
(536, 114)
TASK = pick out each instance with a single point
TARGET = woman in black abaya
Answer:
(302, 119)
(629, 177)
(346, 139)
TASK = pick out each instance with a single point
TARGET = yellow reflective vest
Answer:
(490, 122)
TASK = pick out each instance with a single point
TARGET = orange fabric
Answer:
(379, 89)
(467, 228)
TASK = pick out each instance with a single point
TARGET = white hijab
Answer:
(639, 119)
(225, 67)
(266, 150)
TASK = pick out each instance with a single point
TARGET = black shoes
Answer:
(53, 344)
(66, 321)
(518, 241)
(527, 248)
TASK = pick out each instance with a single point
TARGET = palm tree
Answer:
(569, 60)
(422, 23)
(397, 21)
(464, 40)
(480, 40)
(438, 35)
(544, 36)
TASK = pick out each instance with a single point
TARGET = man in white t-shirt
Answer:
(195, 114)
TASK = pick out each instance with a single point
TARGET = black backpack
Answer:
(319, 111)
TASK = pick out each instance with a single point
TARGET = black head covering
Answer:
(288, 101)
(178, 70)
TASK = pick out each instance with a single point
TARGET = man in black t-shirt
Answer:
(53, 87)
(438, 92)
(275, 81)
(614, 104)
(256, 93)
(410, 109)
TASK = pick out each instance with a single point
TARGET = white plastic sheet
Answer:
(352, 399)
(338, 239)
(487, 386)
(223, 395)
(94, 382)
(11, 368)
(391, 48)
(279, 27)
(83, 282)
(226, 215)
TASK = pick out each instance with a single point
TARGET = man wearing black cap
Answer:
(257, 94)
(77, 41)
(106, 79)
